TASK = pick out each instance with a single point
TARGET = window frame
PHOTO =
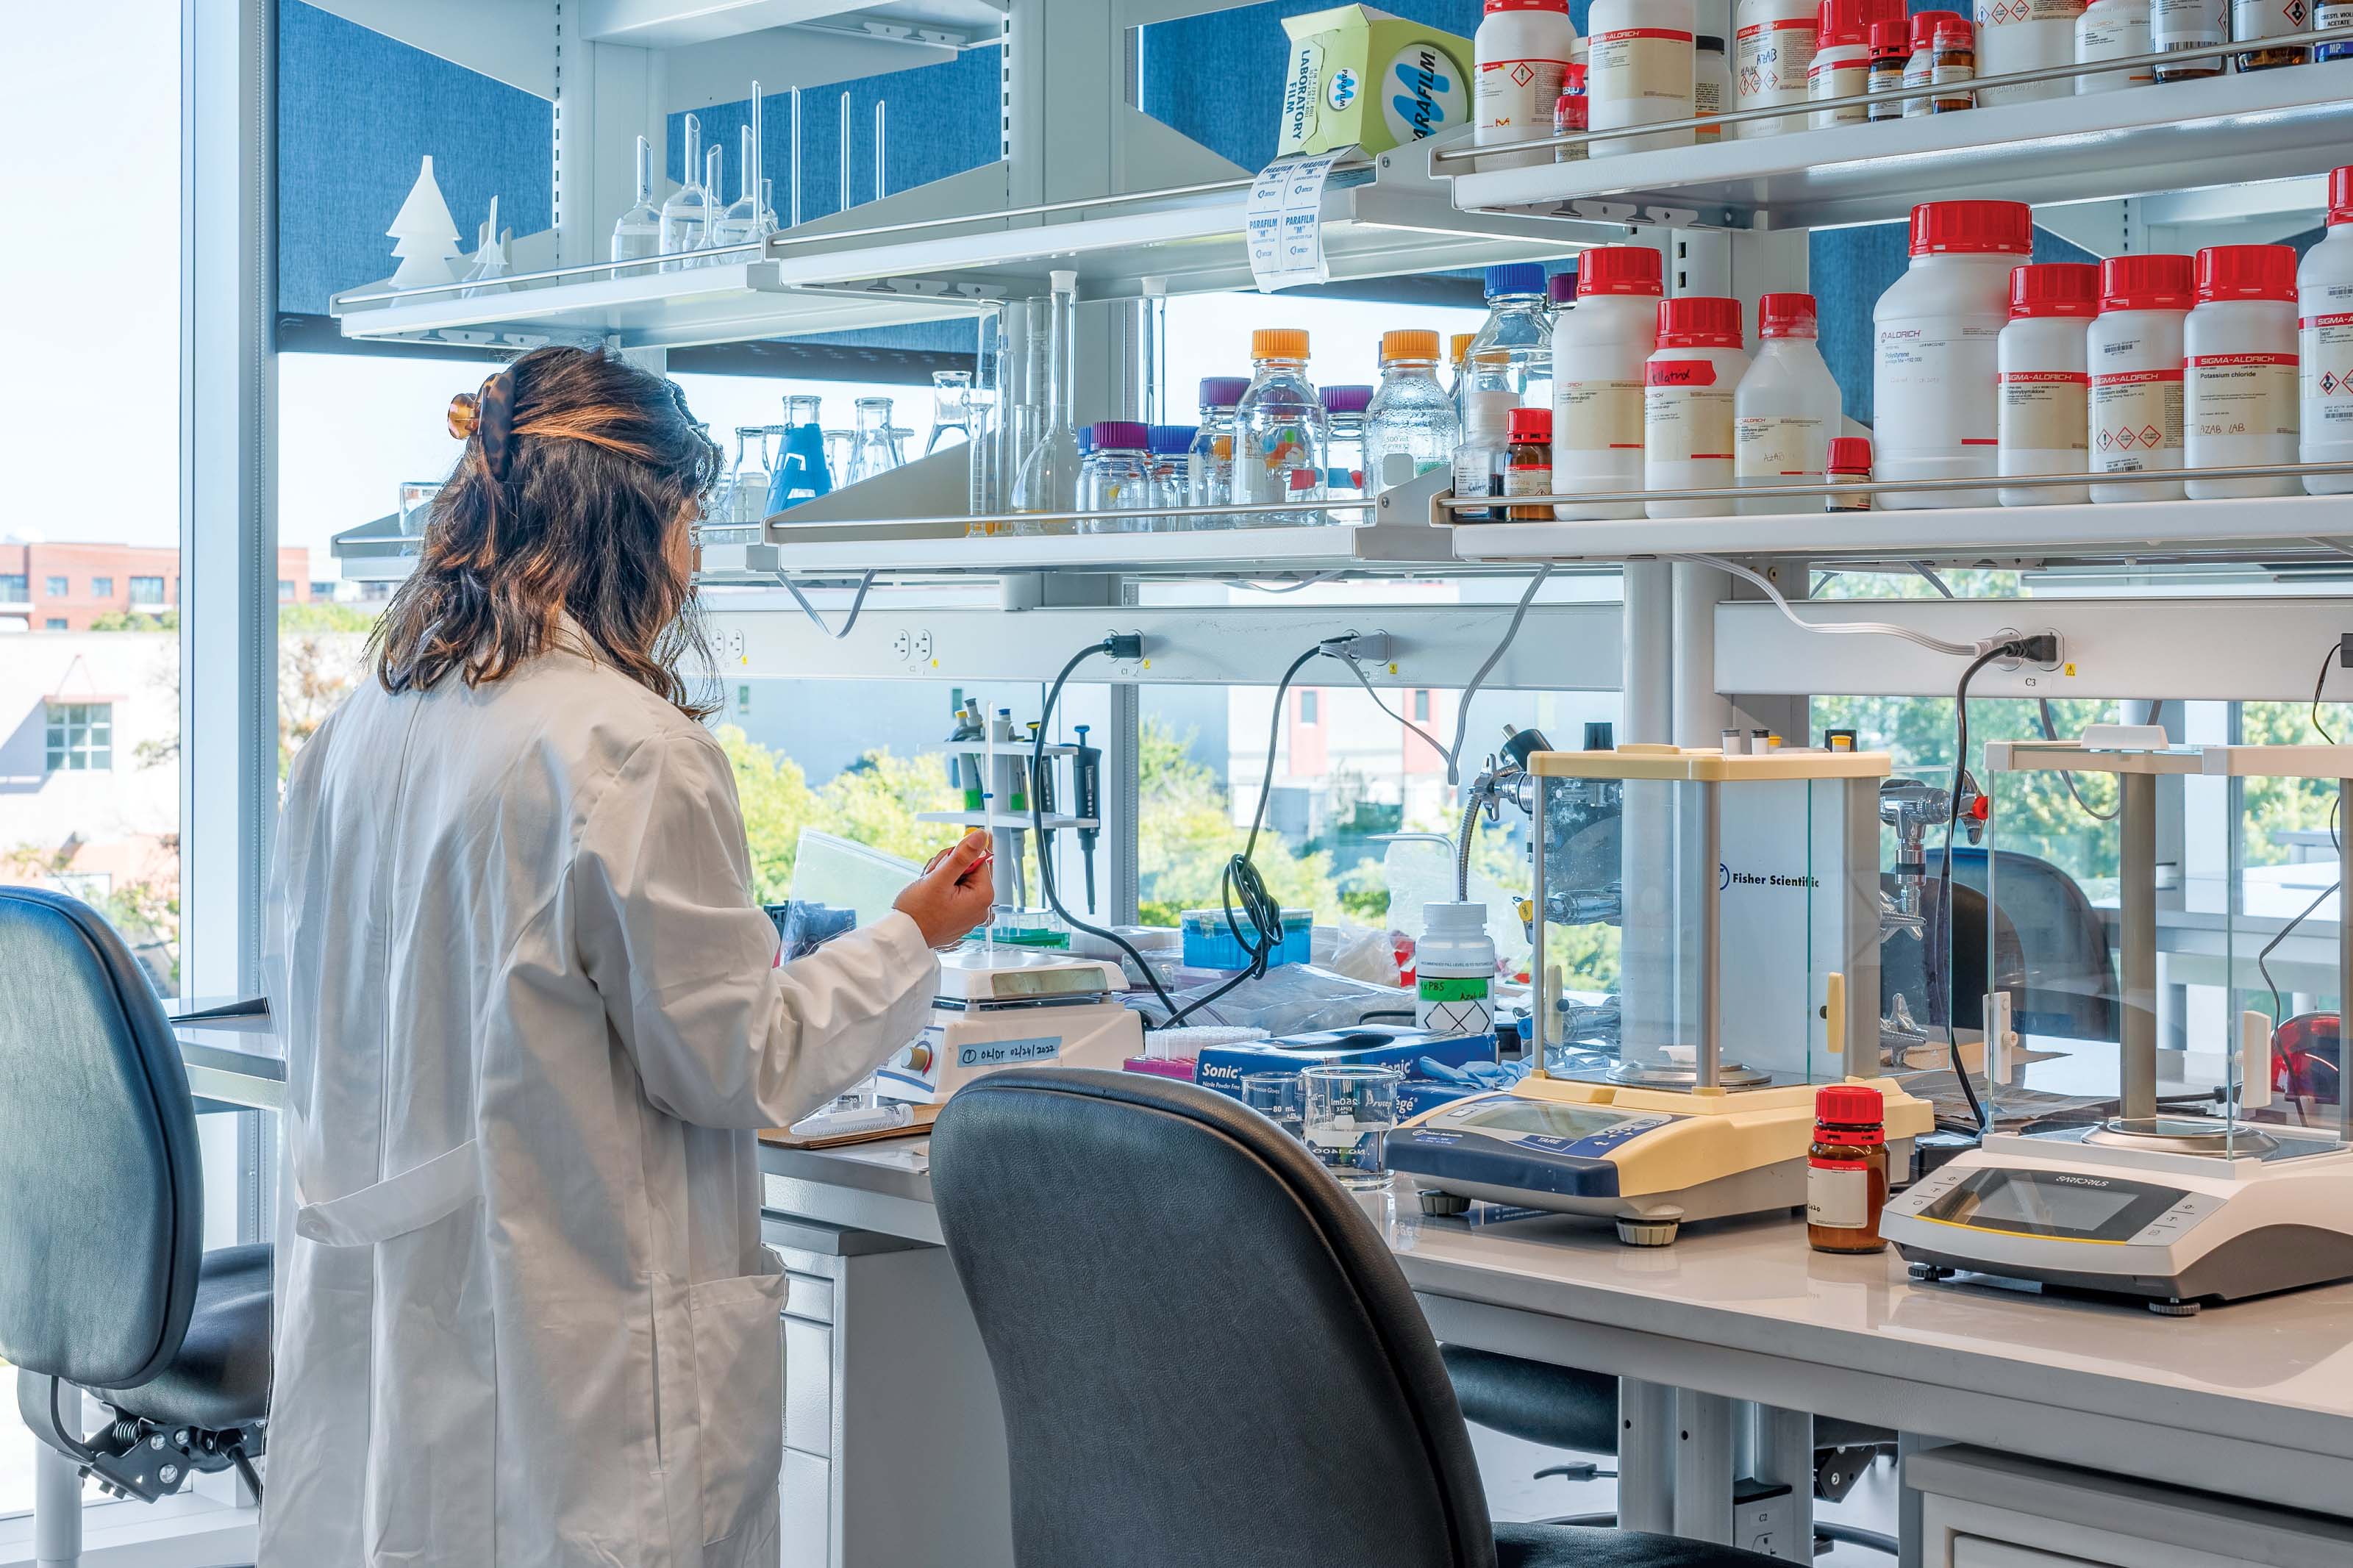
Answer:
(77, 737)
(56, 587)
(161, 600)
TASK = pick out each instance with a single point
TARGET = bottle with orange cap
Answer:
(1280, 432)
(1411, 427)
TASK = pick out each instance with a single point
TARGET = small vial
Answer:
(1955, 61)
(1850, 464)
(1528, 470)
(1838, 740)
(1758, 743)
(1734, 741)
(1890, 49)
(1846, 1170)
(1572, 116)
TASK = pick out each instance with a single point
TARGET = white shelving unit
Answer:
(2295, 526)
(2169, 137)
(895, 551)
(1390, 221)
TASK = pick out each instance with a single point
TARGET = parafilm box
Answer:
(1362, 78)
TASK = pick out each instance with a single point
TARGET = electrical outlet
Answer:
(734, 644)
(923, 647)
(904, 644)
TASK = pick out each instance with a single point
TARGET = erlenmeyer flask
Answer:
(748, 492)
(637, 235)
(951, 405)
(802, 473)
(739, 224)
(687, 212)
(1048, 481)
(874, 454)
(840, 448)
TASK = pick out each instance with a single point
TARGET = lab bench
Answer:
(2037, 1430)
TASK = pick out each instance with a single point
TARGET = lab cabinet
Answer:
(1981, 1509)
(895, 1447)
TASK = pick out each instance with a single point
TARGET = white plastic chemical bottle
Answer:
(1934, 391)
(1454, 971)
(1637, 72)
(2046, 381)
(1692, 380)
(1787, 409)
(2133, 349)
(1775, 46)
(2112, 30)
(2239, 353)
(2324, 296)
(1523, 49)
(1711, 85)
(1599, 350)
(1842, 63)
(2024, 35)
(2188, 25)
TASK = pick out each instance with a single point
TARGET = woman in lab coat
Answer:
(532, 1020)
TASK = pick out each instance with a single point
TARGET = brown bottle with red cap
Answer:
(1846, 1170)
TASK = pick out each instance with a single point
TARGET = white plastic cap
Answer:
(1455, 920)
(1063, 282)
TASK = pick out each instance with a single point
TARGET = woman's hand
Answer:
(954, 893)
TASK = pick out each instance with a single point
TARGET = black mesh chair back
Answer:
(1205, 1352)
(101, 1191)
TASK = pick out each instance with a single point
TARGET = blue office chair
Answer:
(104, 1285)
(1204, 1351)
(2070, 987)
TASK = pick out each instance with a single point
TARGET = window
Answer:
(101, 587)
(57, 587)
(1308, 700)
(323, 590)
(286, 589)
(147, 591)
(744, 692)
(1421, 699)
(15, 588)
(82, 737)
(53, 623)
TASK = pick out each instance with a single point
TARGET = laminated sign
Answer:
(1284, 221)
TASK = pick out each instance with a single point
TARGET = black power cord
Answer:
(1244, 891)
(2040, 648)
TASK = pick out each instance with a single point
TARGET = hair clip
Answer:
(488, 414)
(465, 414)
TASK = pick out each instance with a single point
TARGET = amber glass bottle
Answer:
(1846, 1175)
(1528, 470)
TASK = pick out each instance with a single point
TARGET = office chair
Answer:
(2069, 968)
(1205, 1353)
(104, 1285)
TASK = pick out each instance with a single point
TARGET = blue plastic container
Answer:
(1208, 944)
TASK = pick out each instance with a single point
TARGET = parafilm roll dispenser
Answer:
(1695, 952)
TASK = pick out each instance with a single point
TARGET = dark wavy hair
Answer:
(601, 461)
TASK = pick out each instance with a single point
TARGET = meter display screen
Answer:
(2062, 1205)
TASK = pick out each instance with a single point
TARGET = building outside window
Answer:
(285, 591)
(82, 737)
(15, 588)
(1421, 699)
(101, 587)
(53, 623)
(147, 590)
(1308, 700)
(58, 587)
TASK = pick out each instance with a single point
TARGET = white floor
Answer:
(1509, 1467)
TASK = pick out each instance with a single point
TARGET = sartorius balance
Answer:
(1691, 993)
(2201, 1186)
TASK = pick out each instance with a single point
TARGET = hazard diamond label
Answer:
(1522, 75)
(2125, 439)
(2328, 381)
(2148, 435)
(2295, 11)
(2106, 440)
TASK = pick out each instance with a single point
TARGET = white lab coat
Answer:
(531, 1017)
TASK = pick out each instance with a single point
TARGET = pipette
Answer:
(1086, 774)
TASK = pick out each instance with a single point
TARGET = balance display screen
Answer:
(2059, 1206)
(1544, 1118)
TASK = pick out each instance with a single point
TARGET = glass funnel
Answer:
(686, 214)
(637, 234)
(1049, 480)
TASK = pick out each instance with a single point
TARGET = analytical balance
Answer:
(2201, 1186)
(1691, 991)
(1002, 1007)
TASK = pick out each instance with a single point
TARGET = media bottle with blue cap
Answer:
(1519, 322)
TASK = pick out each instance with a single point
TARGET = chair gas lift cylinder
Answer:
(2176, 1176)
(1706, 955)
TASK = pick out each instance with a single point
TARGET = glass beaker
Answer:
(840, 453)
(1049, 473)
(684, 215)
(1278, 1097)
(637, 234)
(874, 452)
(1346, 1114)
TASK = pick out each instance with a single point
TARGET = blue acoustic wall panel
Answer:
(356, 110)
